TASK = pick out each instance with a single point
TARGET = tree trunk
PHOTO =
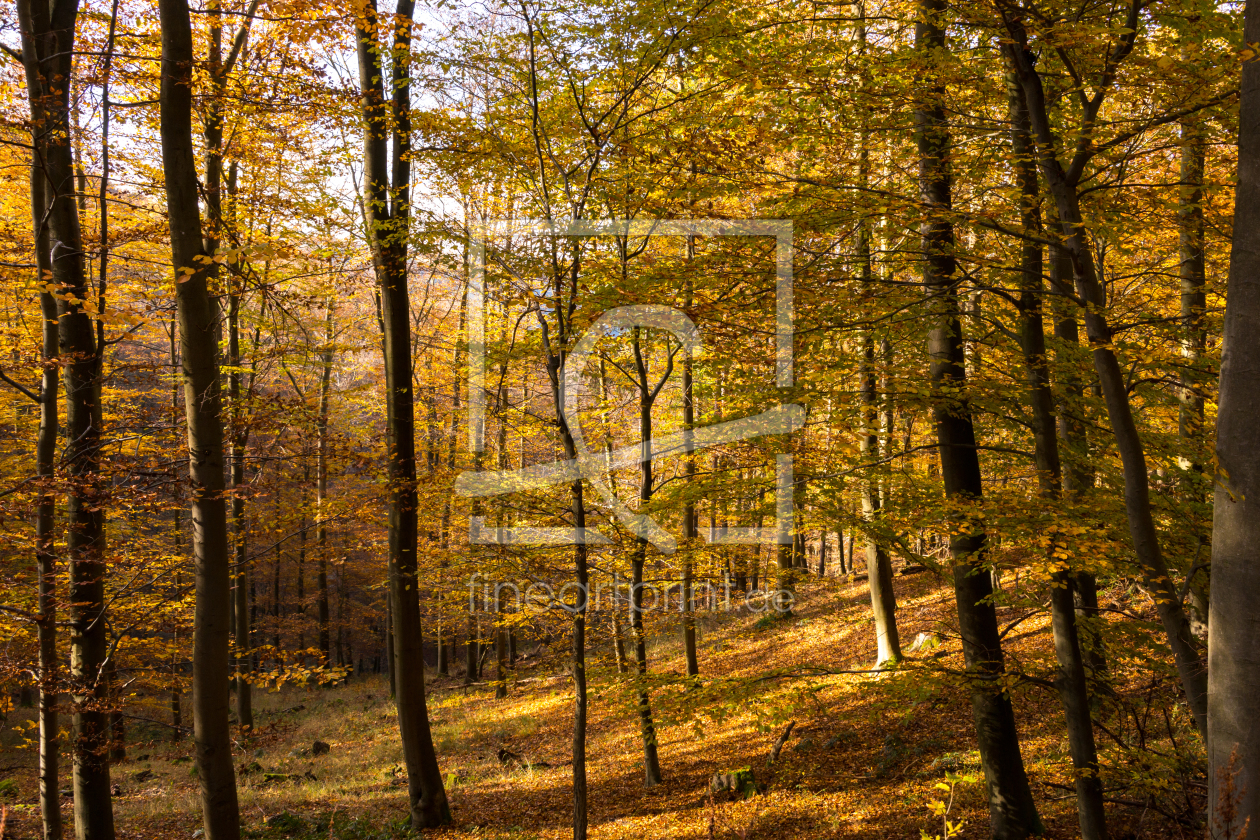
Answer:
(471, 657)
(647, 395)
(240, 526)
(387, 214)
(275, 573)
(301, 560)
(199, 353)
(879, 567)
(321, 477)
(45, 512)
(1077, 473)
(117, 724)
(691, 518)
(500, 648)
(1012, 812)
(578, 662)
(1070, 681)
(619, 642)
(177, 531)
(1193, 342)
(342, 659)
(1234, 633)
(389, 649)
(443, 659)
(445, 644)
(1193, 278)
(563, 277)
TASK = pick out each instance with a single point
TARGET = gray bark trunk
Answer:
(386, 205)
(564, 280)
(879, 566)
(321, 480)
(691, 518)
(1193, 342)
(198, 322)
(1070, 681)
(647, 396)
(1012, 813)
(1077, 471)
(240, 526)
(1234, 633)
(45, 549)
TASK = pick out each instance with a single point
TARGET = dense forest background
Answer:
(316, 400)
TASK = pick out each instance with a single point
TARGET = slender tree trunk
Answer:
(501, 456)
(445, 645)
(275, 573)
(1012, 812)
(1077, 473)
(198, 351)
(240, 525)
(578, 662)
(756, 580)
(852, 535)
(471, 657)
(1193, 342)
(45, 512)
(387, 210)
(1193, 278)
(321, 477)
(389, 649)
(1070, 681)
(443, 657)
(301, 559)
(691, 518)
(342, 659)
(563, 277)
(500, 648)
(177, 529)
(619, 642)
(651, 760)
(879, 567)
(785, 574)
(117, 724)
(1234, 637)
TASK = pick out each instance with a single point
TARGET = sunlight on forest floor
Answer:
(864, 758)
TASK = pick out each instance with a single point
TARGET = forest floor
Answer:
(867, 757)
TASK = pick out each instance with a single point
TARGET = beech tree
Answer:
(386, 204)
(199, 360)
(1012, 811)
(1233, 637)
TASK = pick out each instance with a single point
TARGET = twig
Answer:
(28, 393)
